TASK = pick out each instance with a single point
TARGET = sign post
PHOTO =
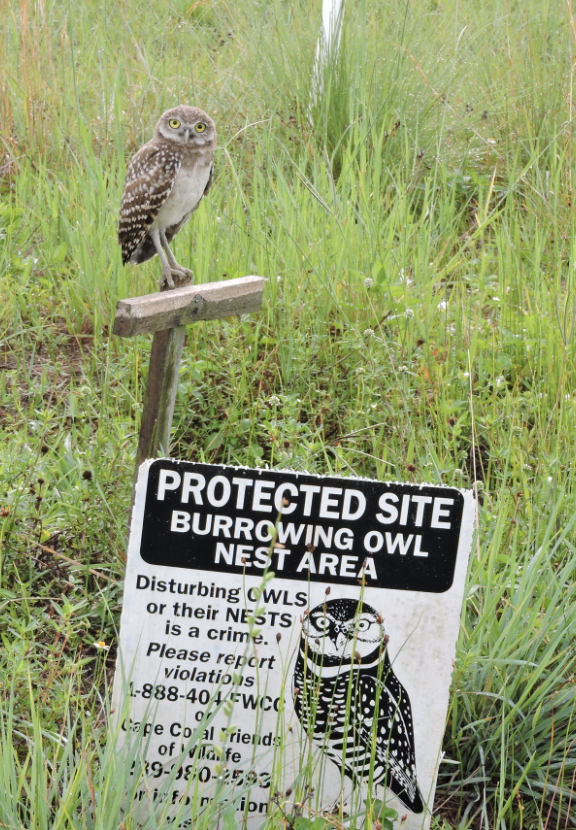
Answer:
(306, 625)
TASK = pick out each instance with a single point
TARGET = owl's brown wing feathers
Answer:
(149, 179)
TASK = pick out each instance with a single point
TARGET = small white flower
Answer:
(368, 332)
(442, 305)
(278, 278)
(500, 380)
(458, 472)
(218, 219)
(478, 485)
(496, 299)
(273, 400)
(549, 479)
(491, 141)
(466, 374)
(368, 282)
(360, 370)
(403, 369)
(404, 278)
(527, 467)
(567, 397)
(409, 313)
(101, 645)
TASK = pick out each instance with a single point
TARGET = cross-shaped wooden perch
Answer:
(167, 313)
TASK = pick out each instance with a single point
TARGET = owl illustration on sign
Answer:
(350, 702)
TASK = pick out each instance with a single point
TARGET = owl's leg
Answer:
(184, 274)
(166, 280)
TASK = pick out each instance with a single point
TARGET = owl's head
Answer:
(343, 628)
(187, 125)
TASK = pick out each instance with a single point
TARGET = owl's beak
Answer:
(339, 639)
(186, 136)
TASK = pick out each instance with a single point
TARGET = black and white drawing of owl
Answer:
(350, 702)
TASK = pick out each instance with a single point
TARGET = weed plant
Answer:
(419, 325)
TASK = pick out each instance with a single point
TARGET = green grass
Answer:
(441, 169)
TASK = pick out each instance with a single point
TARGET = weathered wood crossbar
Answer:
(167, 313)
(183, 306)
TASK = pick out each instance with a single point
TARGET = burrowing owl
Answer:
(351, 703)
(165, 183)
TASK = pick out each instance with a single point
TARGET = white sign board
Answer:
(336, 670)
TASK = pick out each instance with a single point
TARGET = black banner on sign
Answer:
(302, 527)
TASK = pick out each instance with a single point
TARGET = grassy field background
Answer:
(419, 324)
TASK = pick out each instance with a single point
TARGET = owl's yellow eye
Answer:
(174, 123)
(200, 127)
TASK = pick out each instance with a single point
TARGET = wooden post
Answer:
(167, 313)
(160, 394)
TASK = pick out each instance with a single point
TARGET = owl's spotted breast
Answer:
(184, 197)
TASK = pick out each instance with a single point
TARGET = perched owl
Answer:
(342, 665)
(165, 183)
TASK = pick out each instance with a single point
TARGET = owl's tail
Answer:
(410, 797)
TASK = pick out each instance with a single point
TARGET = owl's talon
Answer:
(175, 278)
(166, 281)
(183, 276)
